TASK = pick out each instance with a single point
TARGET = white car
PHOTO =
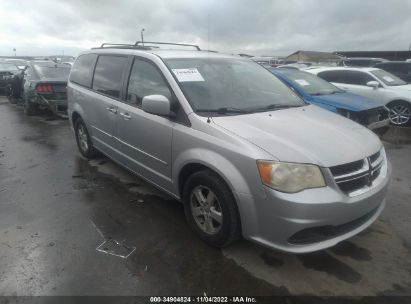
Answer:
(373, 83)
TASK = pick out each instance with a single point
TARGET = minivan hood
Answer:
(348, 101)
(306, 134)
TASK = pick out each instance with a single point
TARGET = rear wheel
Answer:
(30, 108)
(10, 95)
(83, 140)
(210, 209)
(400, 113)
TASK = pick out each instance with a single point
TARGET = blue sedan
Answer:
(319, 92)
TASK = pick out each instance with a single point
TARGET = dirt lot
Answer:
(57, 208)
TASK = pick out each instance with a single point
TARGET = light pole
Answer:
(14, 50)
(142, 36)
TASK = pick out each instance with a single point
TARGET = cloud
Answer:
(257, 27)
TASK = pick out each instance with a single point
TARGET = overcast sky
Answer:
(266, 27)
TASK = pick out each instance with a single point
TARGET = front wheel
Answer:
(400, 113)
(83, 140)
(210, 209)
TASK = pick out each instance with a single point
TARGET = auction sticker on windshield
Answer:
(302, 82)
(388, 78)
(186, 75)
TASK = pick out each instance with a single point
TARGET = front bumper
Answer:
(379, 124)
(311, 220)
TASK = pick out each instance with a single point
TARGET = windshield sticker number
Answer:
(302, 82)
(388, 79)
(187, 75)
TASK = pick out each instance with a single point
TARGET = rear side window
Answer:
(108, 75)
(330, 76)
(82, 70)
(145, 79)
(347, 77)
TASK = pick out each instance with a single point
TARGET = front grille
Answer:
(358, 175)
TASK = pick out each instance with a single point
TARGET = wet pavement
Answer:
(56, 209)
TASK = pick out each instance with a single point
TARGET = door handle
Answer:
(112, 110)
(125, 116)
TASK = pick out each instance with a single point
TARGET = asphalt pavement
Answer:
(69, 226)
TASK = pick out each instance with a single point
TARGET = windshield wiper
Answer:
(224, 110)
(275, 107)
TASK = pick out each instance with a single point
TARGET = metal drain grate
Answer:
(115, 248)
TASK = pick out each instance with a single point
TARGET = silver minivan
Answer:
(243, 153)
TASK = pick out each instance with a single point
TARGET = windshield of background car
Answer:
(388, 78)
(211, 83)
(53, 72)
(312, 84)
(7, 67)
(18, 62)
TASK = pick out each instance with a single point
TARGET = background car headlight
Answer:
(290, 177)
(344, 113)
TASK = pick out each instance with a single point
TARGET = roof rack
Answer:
(141, 43)
(122, 46)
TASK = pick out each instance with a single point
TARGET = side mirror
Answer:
(157, 104)
(373, 84)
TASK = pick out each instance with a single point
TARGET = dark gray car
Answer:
(44, 87)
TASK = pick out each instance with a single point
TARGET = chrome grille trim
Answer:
(364, 179)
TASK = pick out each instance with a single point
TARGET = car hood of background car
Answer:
(348, 101)
(306, 134)
(406, 87)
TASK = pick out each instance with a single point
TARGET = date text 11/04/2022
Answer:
(203, 299)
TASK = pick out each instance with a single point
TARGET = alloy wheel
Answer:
(206, 210)
(82, 138)
(400, 115)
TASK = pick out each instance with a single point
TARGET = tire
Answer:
(84, 144)
(30, 108)
(10, 95)
(224, 207)
(400, 113)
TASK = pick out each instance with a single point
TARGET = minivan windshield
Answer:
(226, 85)
(388, 78)
(311, 84)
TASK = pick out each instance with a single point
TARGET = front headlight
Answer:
(290, 177)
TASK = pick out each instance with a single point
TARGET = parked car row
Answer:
(39, 85)
(244, 153)
(249, 152)
(401, 69)
(370, 113)
(376, 84)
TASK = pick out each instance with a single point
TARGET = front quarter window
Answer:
(145, 79)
